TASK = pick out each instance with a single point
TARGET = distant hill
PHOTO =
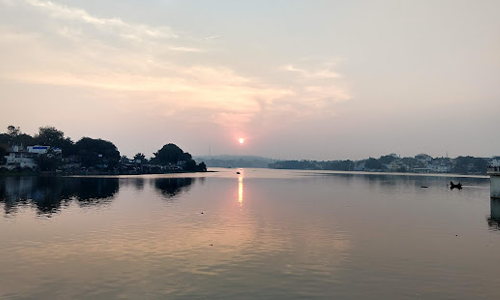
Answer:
(234, 161)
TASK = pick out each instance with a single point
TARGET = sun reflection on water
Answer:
(240, 190)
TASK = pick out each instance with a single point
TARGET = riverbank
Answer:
(89, 173)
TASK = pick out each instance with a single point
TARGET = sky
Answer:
(296, 79)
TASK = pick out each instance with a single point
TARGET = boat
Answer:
(455, 186)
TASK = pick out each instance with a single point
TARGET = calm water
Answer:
(263, 234)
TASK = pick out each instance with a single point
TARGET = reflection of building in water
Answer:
(240, 190)
(494, 219)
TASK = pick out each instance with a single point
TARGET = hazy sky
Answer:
(296, 79)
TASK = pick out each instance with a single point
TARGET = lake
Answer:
(261, 234)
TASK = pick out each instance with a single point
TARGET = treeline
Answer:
(88, 152)
(421, 163)
(233, 161)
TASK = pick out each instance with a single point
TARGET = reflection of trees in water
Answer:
(92, 191)
(137, 183)
(48, 194)
(170, 187)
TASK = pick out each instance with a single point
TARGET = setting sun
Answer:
(241, 140)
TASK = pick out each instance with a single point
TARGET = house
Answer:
(21, 157)
(18, 157)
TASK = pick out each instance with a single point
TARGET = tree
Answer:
(49, 161)
(373, 164)
(190, 166)
(14, 137)
(50, 136)
(470, 164)
(4, 140)
(97, 153)
(170, 154)
(140, 157)
(202, 167)
(24, 139)
(481, 165)
(186, 156)
(13, 131)
(386, 159)
(2, 155)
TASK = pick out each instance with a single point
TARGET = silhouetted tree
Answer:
(13, 131)
(24, 140)
(201, 167)
(141, 157)
(2, 155)
(190, 165)
(186, 156)
(169, 154)
(50, 136)
(4, 141)
(14, 136)
(49, 161)
(97, 153)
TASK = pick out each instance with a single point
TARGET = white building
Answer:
(19, 157)
(37, 149)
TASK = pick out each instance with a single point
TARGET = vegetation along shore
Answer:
(51, 152)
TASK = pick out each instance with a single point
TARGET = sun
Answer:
(241, 140)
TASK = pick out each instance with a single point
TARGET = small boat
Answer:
(455, 185)
(424, 186)
(238, 173)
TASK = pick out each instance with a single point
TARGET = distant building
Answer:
(397, 166)
(21, 157)
(495, 162)
(37, 149)
(421, 170)
(18, 157)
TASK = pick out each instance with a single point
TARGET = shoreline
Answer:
(322, 172)
(90, 174)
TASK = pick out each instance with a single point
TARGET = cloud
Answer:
(161, 73)
(186, 49)
(316, 74)
(212, 37)
(116, 25)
